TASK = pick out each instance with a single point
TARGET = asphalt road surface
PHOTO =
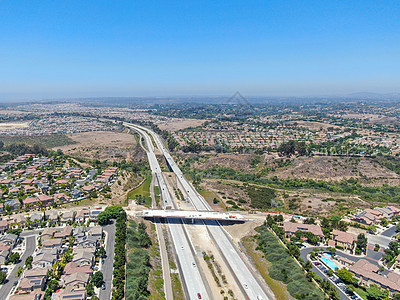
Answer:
(11, 278)
(246, 279)
(107, 267)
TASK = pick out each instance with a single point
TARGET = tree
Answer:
(90, 289)
(13, 258)
(308, 266)
(19, 271)
(28, 262)
(3, 276)
(347, 276)
(398, 227)
(375, 293)
(97, 279)
(101, 252)
(362, 242)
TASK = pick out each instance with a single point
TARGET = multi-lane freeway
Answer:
(244, 276)
(195, 287)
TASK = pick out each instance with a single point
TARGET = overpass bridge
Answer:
(200, 215)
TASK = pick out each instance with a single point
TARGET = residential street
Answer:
(107, 267)
(11, 278)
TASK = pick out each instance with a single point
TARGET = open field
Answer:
(49, 141)
(101, 145)
(13, 125)
(180, 124)
(336, 169)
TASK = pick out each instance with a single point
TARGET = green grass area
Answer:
(157, 194)
(209, 197)
(49, 141)
(283, 268)
(277, 287)
(138, 265)
(177, 287)
(156, 281)
(142, 193)
(362, 293)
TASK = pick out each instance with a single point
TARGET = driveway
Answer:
(389, 232)
(8, 285)
(107, 267)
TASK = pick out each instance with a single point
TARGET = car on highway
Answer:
(193, 264)
(198, 296)
(245, 286)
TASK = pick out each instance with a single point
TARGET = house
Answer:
(78, 232)
(45, 199)
(77, 193)
(61, 197)
(388, 211)
(66, 232)
(76, 280)
(30, 284)
(365, 218)
(48, 232)
(9, 240)
(73, 267)
(96, 232)
(368, 274)
(52, 243)
(291, 228)
(94, 214)
(88, 188)
(33, 273)
(12, 204)
(36, 295)
(67, 216)
(44, 260)
(87, 242)
(376, 213)
(36, 219)
(83, 258)
(4, 226)
(82, 215)
(52, 217)
(31, 201)
(4, 253)
(68, 294)
(343, 239)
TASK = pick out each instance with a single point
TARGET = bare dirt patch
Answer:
(101, 145)
(313, 125)
(334, 169)
(179, 124)
(14, 125)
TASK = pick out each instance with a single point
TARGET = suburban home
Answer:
(68, 294)
(67, 216)
(291, 228)
(365, 218)
(87, 242)
(48, 232)
(76, 280)
(368, 274)
(33, 273)
(52, 217)
(45, 199)
(96, 232)
(83, 258)
(94, 214)
(36, 219)
(9, 240)
(35, 295)
(31, 202)
(78, 232)
(80, 216)
(66, 232)
(4, 226)
(30, 284)
(73, 267)
(376, 213)
(52, 243)
(4, 253)
(12, 204)
(61, 197)
(388, 211)
(44, 260)
(343, 239)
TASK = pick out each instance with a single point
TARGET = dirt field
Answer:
(101, 145)
(13, 125)
(314, 125)
(336, 169)
(180, 124)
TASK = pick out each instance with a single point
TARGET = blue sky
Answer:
(165, 48)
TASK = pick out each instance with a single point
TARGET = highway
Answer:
(245, 278)
(193, 282)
